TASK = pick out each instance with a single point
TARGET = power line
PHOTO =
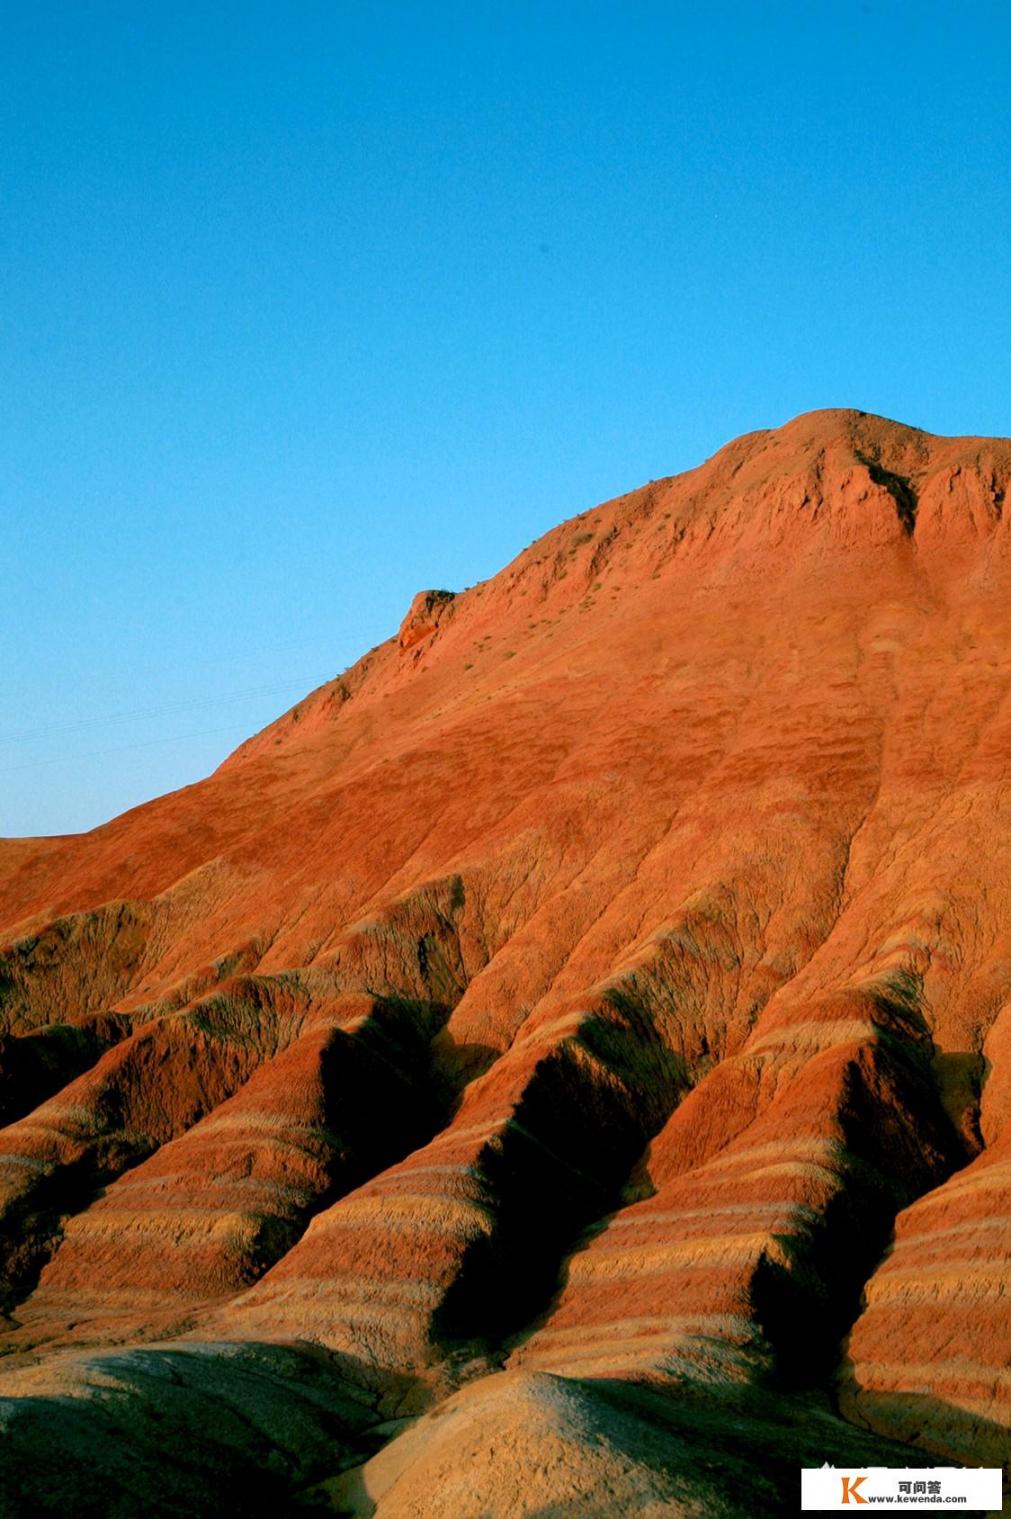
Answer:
(150, 743)
(164, 710)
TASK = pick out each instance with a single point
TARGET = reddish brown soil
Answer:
(582, 1030)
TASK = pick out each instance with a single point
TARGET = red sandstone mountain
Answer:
(563, 1066)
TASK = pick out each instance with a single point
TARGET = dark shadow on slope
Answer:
(182, 1432)
(588, 1110)
(728, 1455)
(898, 487)
(897, 1142)
(932, 1426)
(457, 1064)
(384, 1098)
(159, 1082)
(960, 1077)
(377, 1104)
(33, 1066)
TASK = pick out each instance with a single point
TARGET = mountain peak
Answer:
(590, 1008)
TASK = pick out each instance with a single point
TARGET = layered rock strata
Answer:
(570, 1048)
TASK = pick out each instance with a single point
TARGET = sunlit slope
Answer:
(592, 1007)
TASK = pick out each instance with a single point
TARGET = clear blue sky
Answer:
(306, 306)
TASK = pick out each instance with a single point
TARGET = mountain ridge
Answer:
(595, 998)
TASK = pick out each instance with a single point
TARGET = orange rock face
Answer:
(573, 1046)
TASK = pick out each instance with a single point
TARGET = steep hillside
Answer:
(565, 1055)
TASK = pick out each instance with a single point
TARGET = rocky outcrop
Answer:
(424, 615)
